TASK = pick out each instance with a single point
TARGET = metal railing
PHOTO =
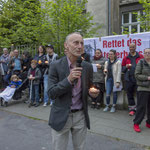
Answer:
(32, 48)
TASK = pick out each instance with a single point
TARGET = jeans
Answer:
(35, 93)
(109, 88)
(46, 89)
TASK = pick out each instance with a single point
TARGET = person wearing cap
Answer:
(50, 57)
(4, 60)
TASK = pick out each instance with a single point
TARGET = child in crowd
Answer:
(34, 76)
(8, 93)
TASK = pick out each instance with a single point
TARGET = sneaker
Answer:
(31, 104)
(98, 106)
(113, 109)
(93, 105)
(45, 104)
(51, 103)
(136, 128)
(131, 113)
(106, 108)
(147, 125)
(37, 104)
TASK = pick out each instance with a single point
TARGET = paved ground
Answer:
(115, 125)
(23, 133)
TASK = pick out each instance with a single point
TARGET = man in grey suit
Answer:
(69, 85)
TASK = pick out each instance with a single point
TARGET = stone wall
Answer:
(99, 9)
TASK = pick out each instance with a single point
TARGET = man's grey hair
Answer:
(5, 49)
(68, 36)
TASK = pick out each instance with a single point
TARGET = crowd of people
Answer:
(136, 70)
(54, 82)
(33, 72)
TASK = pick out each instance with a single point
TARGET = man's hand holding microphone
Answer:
(75, 74)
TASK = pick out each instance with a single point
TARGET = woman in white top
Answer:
(112, 70)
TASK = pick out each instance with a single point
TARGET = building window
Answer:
(131, 23)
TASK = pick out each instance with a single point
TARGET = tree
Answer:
(5, 22)
(50, 21)
(63, 17)
(20, 22)
(145, 16)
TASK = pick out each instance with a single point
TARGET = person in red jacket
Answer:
(128, 68)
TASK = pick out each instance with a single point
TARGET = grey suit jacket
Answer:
(61, 90)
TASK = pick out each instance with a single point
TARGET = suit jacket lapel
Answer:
(65, 66)
(83, 76)
(83, 83)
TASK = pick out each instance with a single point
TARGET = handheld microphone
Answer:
(78, 64)
(79, 61)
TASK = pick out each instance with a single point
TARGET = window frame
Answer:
(130, 24)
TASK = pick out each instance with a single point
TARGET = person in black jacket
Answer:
(26, 60)
(142, 75)
(128, 68)
(26, 66)
(40, 58)
(86, 57)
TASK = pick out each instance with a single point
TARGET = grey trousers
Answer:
(77, 126)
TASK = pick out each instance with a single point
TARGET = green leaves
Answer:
(20, 20)
(145, 16)
(66, 16)
(32, 22)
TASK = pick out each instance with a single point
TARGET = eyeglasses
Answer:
(147, 53)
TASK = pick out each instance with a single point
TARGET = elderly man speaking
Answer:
(70, 82)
